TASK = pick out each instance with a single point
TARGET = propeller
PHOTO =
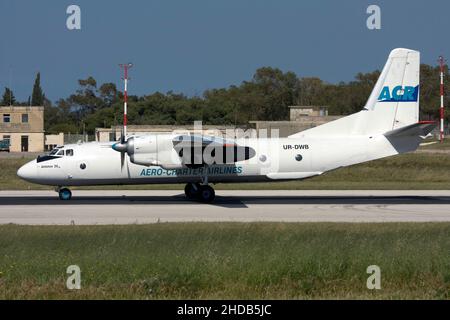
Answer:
(121, 147)
(122, 154)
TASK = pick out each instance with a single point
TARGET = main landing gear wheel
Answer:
(206, 194)
(65, 194)
(203, 193)
(192, 190)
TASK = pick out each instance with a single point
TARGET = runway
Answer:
(150, 206)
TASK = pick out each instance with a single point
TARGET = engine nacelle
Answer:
(153, 150)
(142, 144)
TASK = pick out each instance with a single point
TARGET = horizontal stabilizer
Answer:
(417, 129)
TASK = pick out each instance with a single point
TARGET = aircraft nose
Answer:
(28, 171)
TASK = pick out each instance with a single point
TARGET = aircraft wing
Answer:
(199, 150)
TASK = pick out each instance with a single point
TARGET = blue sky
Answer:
(189, 46)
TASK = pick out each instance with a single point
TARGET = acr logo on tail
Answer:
(399, 94)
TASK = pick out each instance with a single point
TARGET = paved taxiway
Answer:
(149, 206)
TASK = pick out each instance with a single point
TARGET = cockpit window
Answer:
(56, 153)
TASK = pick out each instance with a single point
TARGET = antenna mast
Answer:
(125, 68)
(441, 63)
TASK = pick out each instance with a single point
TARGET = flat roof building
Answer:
(23, 127)
(298, 113)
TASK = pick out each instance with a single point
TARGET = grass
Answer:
(9, 179)
(226, 260)
(408, 171)
(437, 145)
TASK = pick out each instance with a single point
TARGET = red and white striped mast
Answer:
(441, 135)
(125, 68)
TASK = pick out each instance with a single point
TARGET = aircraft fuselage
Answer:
(275, 159)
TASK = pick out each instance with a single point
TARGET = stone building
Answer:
(23, 127)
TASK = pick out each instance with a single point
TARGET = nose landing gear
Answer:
(64, 193)
(197, 191)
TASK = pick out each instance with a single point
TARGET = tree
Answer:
(85, 101)
(430, 92)
(278, 90)
(310, 90)
(108, 92)
(37, 97)
(8, 98)
(63, 127)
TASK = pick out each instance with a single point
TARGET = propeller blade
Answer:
(122, 138)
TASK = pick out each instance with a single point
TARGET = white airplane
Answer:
(387, 125)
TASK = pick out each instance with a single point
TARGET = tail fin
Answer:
(393, 103)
